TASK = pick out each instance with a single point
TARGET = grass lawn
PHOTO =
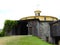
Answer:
(26, 40)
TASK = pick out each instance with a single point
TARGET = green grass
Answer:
(27, 40)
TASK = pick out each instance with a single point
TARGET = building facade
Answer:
(40, 26)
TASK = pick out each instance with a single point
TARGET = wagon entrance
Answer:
(22, 28)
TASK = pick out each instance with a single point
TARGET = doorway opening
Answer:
(24, 28)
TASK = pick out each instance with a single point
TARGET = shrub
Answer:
(1, 34)
(8, 26)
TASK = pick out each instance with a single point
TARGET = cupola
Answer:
(37, 12)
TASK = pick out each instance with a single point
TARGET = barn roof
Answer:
(41, 18)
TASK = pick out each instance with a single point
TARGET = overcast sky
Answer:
(16, 9)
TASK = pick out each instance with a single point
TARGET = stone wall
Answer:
(44, 31)
(32, 28)
(40, 29)
(55, 29)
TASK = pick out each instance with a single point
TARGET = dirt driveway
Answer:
(4, 40)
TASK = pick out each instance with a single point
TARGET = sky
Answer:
(16, 9)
